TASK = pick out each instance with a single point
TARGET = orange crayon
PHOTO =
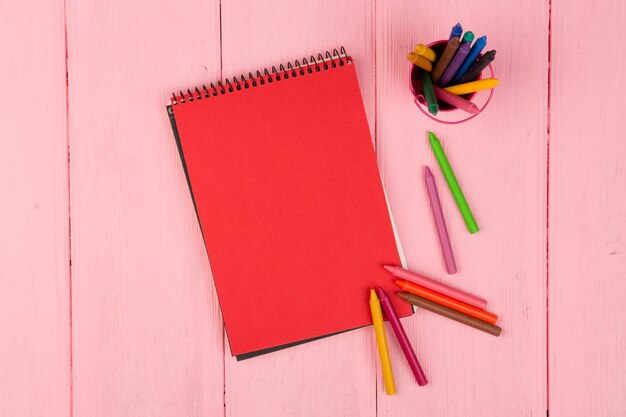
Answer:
(444, 300)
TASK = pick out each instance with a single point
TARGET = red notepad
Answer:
(290, 201)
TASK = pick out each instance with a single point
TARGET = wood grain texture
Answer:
(34, 218)
(334, 376)
(147, 333)
(256, 35)
(587, 226)
(500, 161)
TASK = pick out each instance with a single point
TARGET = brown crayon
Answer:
(450, 313)
(445, 58)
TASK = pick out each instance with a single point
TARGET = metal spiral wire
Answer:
(325, 62)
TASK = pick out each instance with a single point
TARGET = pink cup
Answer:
(448, 114)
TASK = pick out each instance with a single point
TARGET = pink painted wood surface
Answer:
(587, 222)
(146, 333)
(34, 218)
(256, 35)
(334, 376)
(146, 326)
(500, 161)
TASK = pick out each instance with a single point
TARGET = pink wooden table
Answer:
(107, 307)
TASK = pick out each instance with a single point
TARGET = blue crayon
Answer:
(457, 30)
(479, 45)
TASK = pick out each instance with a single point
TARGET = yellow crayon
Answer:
(420, 61)
(426, 52)
(472, 86)
(381, 341)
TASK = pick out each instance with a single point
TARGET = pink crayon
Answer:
(444, 289)
(440, 222)
(441, 94)
(456, 101)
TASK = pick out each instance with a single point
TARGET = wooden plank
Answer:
(334, 376)
(34, 214)
(146, 323)
(500, 160)
(262, 34)
(587, 361)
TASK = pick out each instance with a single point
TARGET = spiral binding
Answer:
(308, 66)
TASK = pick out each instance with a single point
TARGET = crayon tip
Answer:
(481, 41)
(432, 137)
(427, 171)
(390, 268)
(403, 295)
(373, 296)
(468, 36)
(382, 295)
(433, 109)
(474, 108)
(457, 30)
(400, 283)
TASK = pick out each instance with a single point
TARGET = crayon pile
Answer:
(449, 71)
(424, 292)
(430, 295)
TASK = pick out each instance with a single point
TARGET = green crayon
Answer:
(468, 37)
(429, 93)
(453, 184)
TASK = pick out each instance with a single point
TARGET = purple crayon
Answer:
(440, 222)
(454, 65)
(403, 340)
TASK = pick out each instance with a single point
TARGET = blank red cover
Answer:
(291, 206)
